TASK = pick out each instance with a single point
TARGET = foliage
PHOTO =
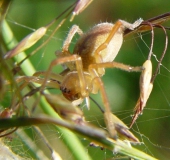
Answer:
(122, 88)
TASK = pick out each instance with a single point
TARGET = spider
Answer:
(93, 52)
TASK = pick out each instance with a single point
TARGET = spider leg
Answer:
(74, 29)
(114, 125)
(119, 27)
(65, 49)
(79, 70)
(118, 65)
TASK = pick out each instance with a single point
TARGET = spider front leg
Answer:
(73, 81)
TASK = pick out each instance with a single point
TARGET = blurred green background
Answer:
(152, 128)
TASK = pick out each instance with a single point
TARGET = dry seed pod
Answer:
(145, 89)
(27, 42)
(145, 85)
(80, 6)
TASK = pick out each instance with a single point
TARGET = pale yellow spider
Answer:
(93, 52)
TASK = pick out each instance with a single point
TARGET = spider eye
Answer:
(65, 90)
(71, 96)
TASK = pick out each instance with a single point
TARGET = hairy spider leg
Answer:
(74, 29)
